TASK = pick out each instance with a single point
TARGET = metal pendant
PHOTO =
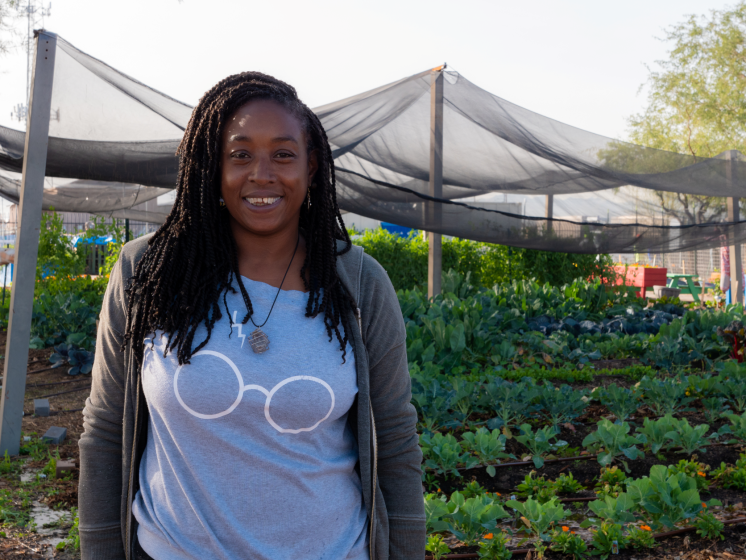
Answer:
(259, 341)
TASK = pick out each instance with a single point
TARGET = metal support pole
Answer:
(435, 247)
(549, 211)
(126, 230)
(734, 215)
(27, 244)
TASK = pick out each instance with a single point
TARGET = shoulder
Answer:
(361, 274)
(131, 254)
(369, 284)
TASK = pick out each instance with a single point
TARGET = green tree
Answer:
(696, 101)
(7, 12)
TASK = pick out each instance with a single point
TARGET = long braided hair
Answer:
(193, 258)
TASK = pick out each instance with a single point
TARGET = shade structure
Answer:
(551, 186)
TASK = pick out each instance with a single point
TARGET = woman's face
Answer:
(265, 167)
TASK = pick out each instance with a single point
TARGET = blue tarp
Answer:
(100, 240)
(401, 231)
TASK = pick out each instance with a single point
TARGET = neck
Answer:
(265, 258)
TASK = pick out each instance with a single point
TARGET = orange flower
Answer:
(645, 528)
(488, 536)
(439, 490)
(565, 529)
(498, 493)
(701, 473)
(704, 505)
(572, 532)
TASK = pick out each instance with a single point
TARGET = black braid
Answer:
(192, 259)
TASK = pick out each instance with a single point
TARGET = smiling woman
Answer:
(221, 442)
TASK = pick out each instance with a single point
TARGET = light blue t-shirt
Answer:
(250, 455)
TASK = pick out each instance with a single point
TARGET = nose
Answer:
(261, 172)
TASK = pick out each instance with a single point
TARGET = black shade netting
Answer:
(501, 165)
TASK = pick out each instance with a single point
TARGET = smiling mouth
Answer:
(264, 201)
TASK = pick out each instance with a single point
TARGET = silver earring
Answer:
(308, 199)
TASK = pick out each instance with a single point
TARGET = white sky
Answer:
(578, 61)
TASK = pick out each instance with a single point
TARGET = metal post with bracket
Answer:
(435, 214)
(27, 243)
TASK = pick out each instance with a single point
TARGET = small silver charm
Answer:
(259, 341)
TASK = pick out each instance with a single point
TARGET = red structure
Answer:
(641, 277)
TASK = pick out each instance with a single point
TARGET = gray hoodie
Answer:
(382, 418)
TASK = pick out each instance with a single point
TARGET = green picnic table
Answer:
(673, 282)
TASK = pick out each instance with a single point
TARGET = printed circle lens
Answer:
(231, 408)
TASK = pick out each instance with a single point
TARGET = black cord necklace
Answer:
(258, 339)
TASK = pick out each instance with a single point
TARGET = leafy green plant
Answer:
(665, 396)
(464, 395)
(561, 404)
(714, 407)
(444, 455)
(709, 527)
(608, 539)
(656, 431)
(734, 390)
(495, 547)
(73, 536)
(616, 510)
(613, 441)
(469, 519)
(436, 509)
(566, 542)
(538, 517)
(537, 487)
(619, 400)
(511, 402)
(539, 443)
(611, 482)
(703, 386)
(737, 425)
(732, 476)
(641, 537)
(63, 318)
(691, 439)
(81, 361)
(566, 484)
(7, 465)
(472, 489)
(667, 498)
(36, 448)
(436, 547)
(692, 469)
(487, 446)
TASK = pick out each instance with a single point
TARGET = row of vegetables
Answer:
(625, 514)
(525, 323)
(446, 455)
(460, 401)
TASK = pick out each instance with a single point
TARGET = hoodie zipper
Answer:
(132, 471)
(374, 476)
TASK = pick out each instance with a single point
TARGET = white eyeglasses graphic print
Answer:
(243, 388)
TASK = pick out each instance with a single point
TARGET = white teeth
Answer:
(262, 201)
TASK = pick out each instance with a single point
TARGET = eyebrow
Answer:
(244, 138)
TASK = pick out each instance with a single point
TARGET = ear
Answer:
(313, 166)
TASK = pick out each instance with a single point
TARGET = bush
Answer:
(405, 260)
